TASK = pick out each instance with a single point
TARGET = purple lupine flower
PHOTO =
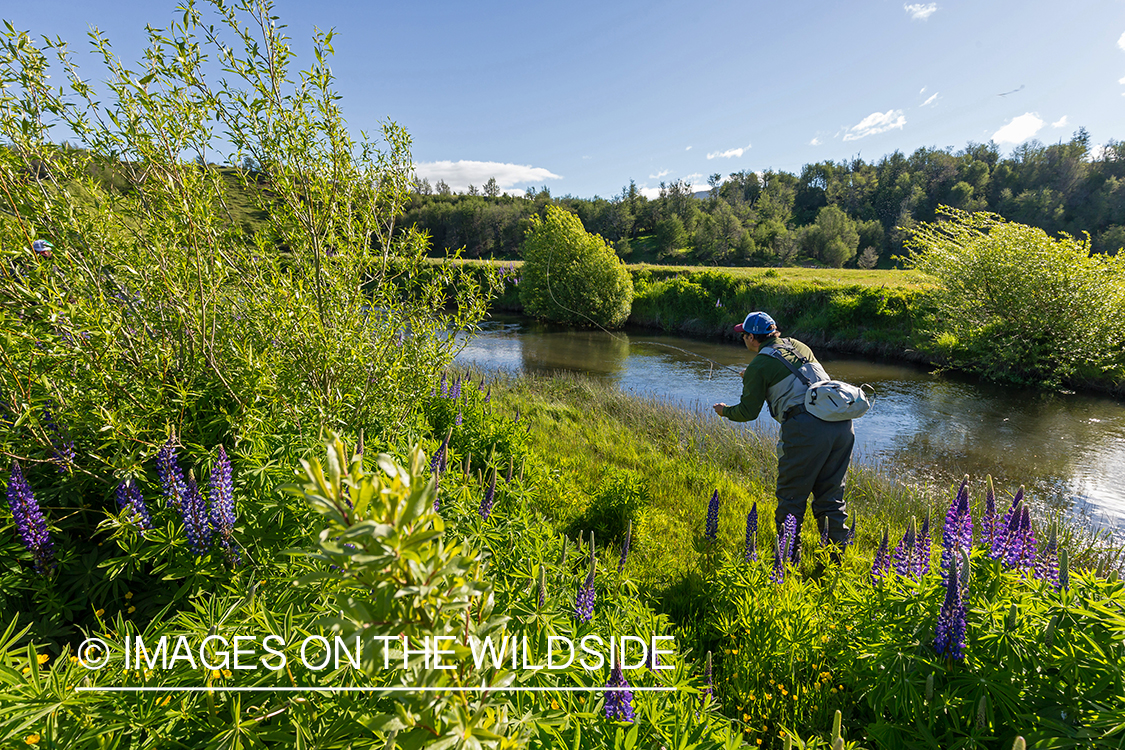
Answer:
(30, 524)
(922, 553)
(223, 516)
(488, 395)
(171, 476)
(751, 553)
(197, 520)
(957, 520)
(719, 302)
(783, 549)
(542, 585)
(584, 602)
(1003, 527)
(625, 547)
(988, 520)
(903, 556)
(444, 386)
(458, 420)
(129, 498)
(711, 530)
(455, 391)
(618, 697)
(1013, 540)
(949, 635)
(441, 456)
(791, 541)
(882, 562)
(849, 539)
(437, 492)
(1047, 566)
(489, 498)
(61, 446)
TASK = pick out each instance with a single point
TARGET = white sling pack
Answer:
(830, 400)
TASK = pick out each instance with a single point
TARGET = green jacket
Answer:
(762, 372)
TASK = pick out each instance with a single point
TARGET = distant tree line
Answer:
(853, 213)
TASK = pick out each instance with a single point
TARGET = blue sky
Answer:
(582, 97)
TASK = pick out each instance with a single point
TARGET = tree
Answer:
(670, 234)
(492, 188)
(833, 239)
(442, 188)
(572, 276)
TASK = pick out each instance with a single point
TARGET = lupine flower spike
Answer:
(824, 533)
(784, 549)
(751, 553)
(922, 553)
(222, 505)
(619, 698)
(584, 603)
(712, 529)
(129, 498)
(882, 562)
(171, 476)
(903, 556)
(1047, 566)
(197, 521)
(455, 391)
(30, 524)
(1004, 527)
(988, 519)
(625, 547)
(957, 520)
(949, 636)
(489, 497)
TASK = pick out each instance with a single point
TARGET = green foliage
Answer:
(1022, 306)
(571, 276)
(619, 500)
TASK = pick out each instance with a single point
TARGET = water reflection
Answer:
(1067, 449)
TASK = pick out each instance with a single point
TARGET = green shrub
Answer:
(1024, 307)
(617, 503)
(572, 276)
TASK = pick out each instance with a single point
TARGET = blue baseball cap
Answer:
(757, 322)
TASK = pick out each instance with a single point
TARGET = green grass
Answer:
(582, 429)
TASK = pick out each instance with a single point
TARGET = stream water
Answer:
(1067, 449)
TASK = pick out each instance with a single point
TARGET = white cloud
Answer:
(650, 193)
(814, 142)
(919, 12)
(1059, 123)
(1019, 129)
(460, 174)
(1121, 42)
(1122, 80)
(694, 179)
(659, 174)
(931, 100)
(688, 148)
(875, 123)
(922, 91)
(729, 153)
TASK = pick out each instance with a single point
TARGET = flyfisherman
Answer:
(812, 455)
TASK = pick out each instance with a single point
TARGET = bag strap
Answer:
(792, 367)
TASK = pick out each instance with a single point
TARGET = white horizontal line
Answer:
(391, 689)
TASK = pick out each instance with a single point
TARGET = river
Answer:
(1067, 449)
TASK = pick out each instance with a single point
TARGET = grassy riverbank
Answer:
(789, 655)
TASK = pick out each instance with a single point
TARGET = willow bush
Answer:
(159, 316)
(1018, 305)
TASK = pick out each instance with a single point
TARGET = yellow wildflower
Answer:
(43, 658)
(215, 674)
(226, 673)
(128, 594)
(131, 610)
(554, 704)
(166, 701)
(32, 739)
(99, 613)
